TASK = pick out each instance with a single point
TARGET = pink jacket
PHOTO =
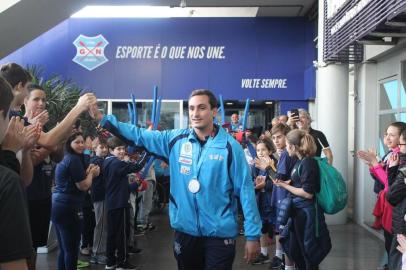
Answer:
(380, 173)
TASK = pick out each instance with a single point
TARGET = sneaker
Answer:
(139, 232)
(126, 266)
(93, 259)
(133, 250)
(150, 227)
(277, 263)
(261, 259)
(109, 267)
(82, 264)
(85, 251)
(98, 259)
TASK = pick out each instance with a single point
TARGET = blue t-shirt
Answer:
(285, 166)
(71, 170)
(98, 189)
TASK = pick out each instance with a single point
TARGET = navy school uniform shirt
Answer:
(115, 172)
(285, 166)
(68, 172)
(306, 175)
(98, 189)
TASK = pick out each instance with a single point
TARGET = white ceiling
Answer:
(28, 19)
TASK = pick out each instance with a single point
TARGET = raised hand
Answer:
(394, 160)
(14, 138)
(31, 135)
(42, 117)
(86, 102)
(260, 182)
(368, 157)
(402, 243)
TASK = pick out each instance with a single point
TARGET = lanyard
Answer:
(201, 158)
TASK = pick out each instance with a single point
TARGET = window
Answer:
(169, 116)
(392, 104)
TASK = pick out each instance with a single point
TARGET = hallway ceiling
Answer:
(28, 19)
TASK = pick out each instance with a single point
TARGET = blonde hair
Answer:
(303, 141)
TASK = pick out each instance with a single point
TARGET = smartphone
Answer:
(403, 171)
(294, 113)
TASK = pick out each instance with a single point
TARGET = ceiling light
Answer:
(229, 103)
(163, 12)
(6, 4)
(268, 102)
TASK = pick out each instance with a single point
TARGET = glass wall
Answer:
(392, 105)
(169, 116)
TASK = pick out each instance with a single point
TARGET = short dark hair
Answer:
(6, 96)
(15, 74)
(114, 142)
(33, 86)
(284, 129)
(205, 92)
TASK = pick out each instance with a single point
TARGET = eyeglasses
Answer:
(400, 144)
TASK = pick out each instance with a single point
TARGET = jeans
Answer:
(67, 226)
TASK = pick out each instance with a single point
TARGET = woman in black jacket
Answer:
(397, 198)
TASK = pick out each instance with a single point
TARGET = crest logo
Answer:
(90, 51)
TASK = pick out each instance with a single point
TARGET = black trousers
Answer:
(89, 222)
(203, 253)
(118, 226)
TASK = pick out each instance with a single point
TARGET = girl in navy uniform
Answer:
(305, 239)
(73, 177)
(263, 189)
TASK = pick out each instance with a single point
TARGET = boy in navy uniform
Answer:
(210, 171)
(115, 171)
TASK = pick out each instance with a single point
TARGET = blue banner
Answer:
(257, 58)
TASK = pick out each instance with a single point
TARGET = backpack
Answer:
(333, 195)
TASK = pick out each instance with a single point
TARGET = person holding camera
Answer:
(301, 119)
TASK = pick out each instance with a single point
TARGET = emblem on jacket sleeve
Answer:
(90, 51)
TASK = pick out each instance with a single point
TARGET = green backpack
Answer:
(333, 195)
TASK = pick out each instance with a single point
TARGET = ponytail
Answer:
(303, 141)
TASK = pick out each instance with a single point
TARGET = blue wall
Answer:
(252, 48)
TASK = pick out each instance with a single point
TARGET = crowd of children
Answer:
(110, 185)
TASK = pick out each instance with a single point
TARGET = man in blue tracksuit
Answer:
(208, 172)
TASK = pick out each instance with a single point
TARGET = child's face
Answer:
(279, 140)
(101, 150)
(402, 142)
(119, 152)
(262, 151)
(392, 137)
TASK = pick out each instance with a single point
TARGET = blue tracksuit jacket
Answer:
(224, 175)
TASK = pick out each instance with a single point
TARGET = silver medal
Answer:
(194, 186)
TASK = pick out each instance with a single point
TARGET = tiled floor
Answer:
(354, 248)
